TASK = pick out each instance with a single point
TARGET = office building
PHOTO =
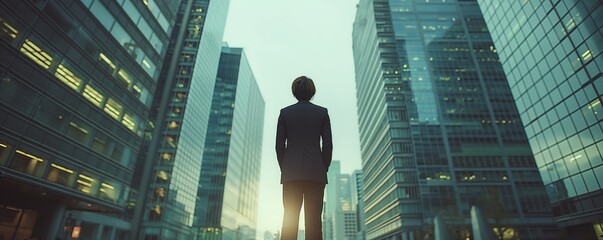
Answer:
(551, 54)
(358, 203)
(170, 169)
(339, 214)
(77, 79)
(228, 188)
(439, 132)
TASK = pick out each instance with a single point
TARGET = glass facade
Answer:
(439, 131)
(176, 142)
(227, 196)
(551, 53)
(76, 86)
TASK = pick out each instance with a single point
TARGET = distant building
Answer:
(339, 215)
(551, 54)
(358, 203)
(77, 80)
(169, 172)
(227, 196)
(438, 128)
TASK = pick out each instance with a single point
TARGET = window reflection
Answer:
(28, 163)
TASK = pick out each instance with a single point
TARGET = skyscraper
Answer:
(551, 53)
(439, 132)
(170, 170)
(77, 79)
(227, 195)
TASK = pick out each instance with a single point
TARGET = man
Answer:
(303, 163)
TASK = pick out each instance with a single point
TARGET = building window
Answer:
(28, 163)
(68, 77)
(4, 152)
(162, 176)
(36, 53)
(113, 108)
(61, 175)
(93, 95)
(50, 114)
(7, 31)
(109, 191)
(159, 194)
(17, 96)
(87, 183)
(155, 213)
(102, 144)
(79, 131)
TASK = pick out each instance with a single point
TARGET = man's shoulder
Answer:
(307, 105)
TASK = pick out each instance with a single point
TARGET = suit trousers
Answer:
(311, 195)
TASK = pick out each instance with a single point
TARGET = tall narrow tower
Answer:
(227, 195)
(169, 173)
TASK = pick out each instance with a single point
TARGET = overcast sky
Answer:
(283, 40)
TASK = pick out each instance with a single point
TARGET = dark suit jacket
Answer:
(299, 131)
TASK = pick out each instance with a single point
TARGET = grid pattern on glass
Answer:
(117, 30)
(551, 53)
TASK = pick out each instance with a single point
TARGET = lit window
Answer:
(7, 30)
(106, 60)
(94, 96)
(36, 54)
(68, 77)
(163, 176)
(61, 175)
(109, 191)
(86, 184)
(3, 153)
(173, 124)
(166, 156)
(129, 121)
(124, 77)
(27, 163)
(587, 55)
(113, 108)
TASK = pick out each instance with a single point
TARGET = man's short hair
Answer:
(303, 88)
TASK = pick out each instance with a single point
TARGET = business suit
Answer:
(304, 164)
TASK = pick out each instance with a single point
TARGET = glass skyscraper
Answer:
(439, 131)
(551, 53)
(169, 173)
(227, 195)
(77, 79)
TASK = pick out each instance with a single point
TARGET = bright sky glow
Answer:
(283, 40)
